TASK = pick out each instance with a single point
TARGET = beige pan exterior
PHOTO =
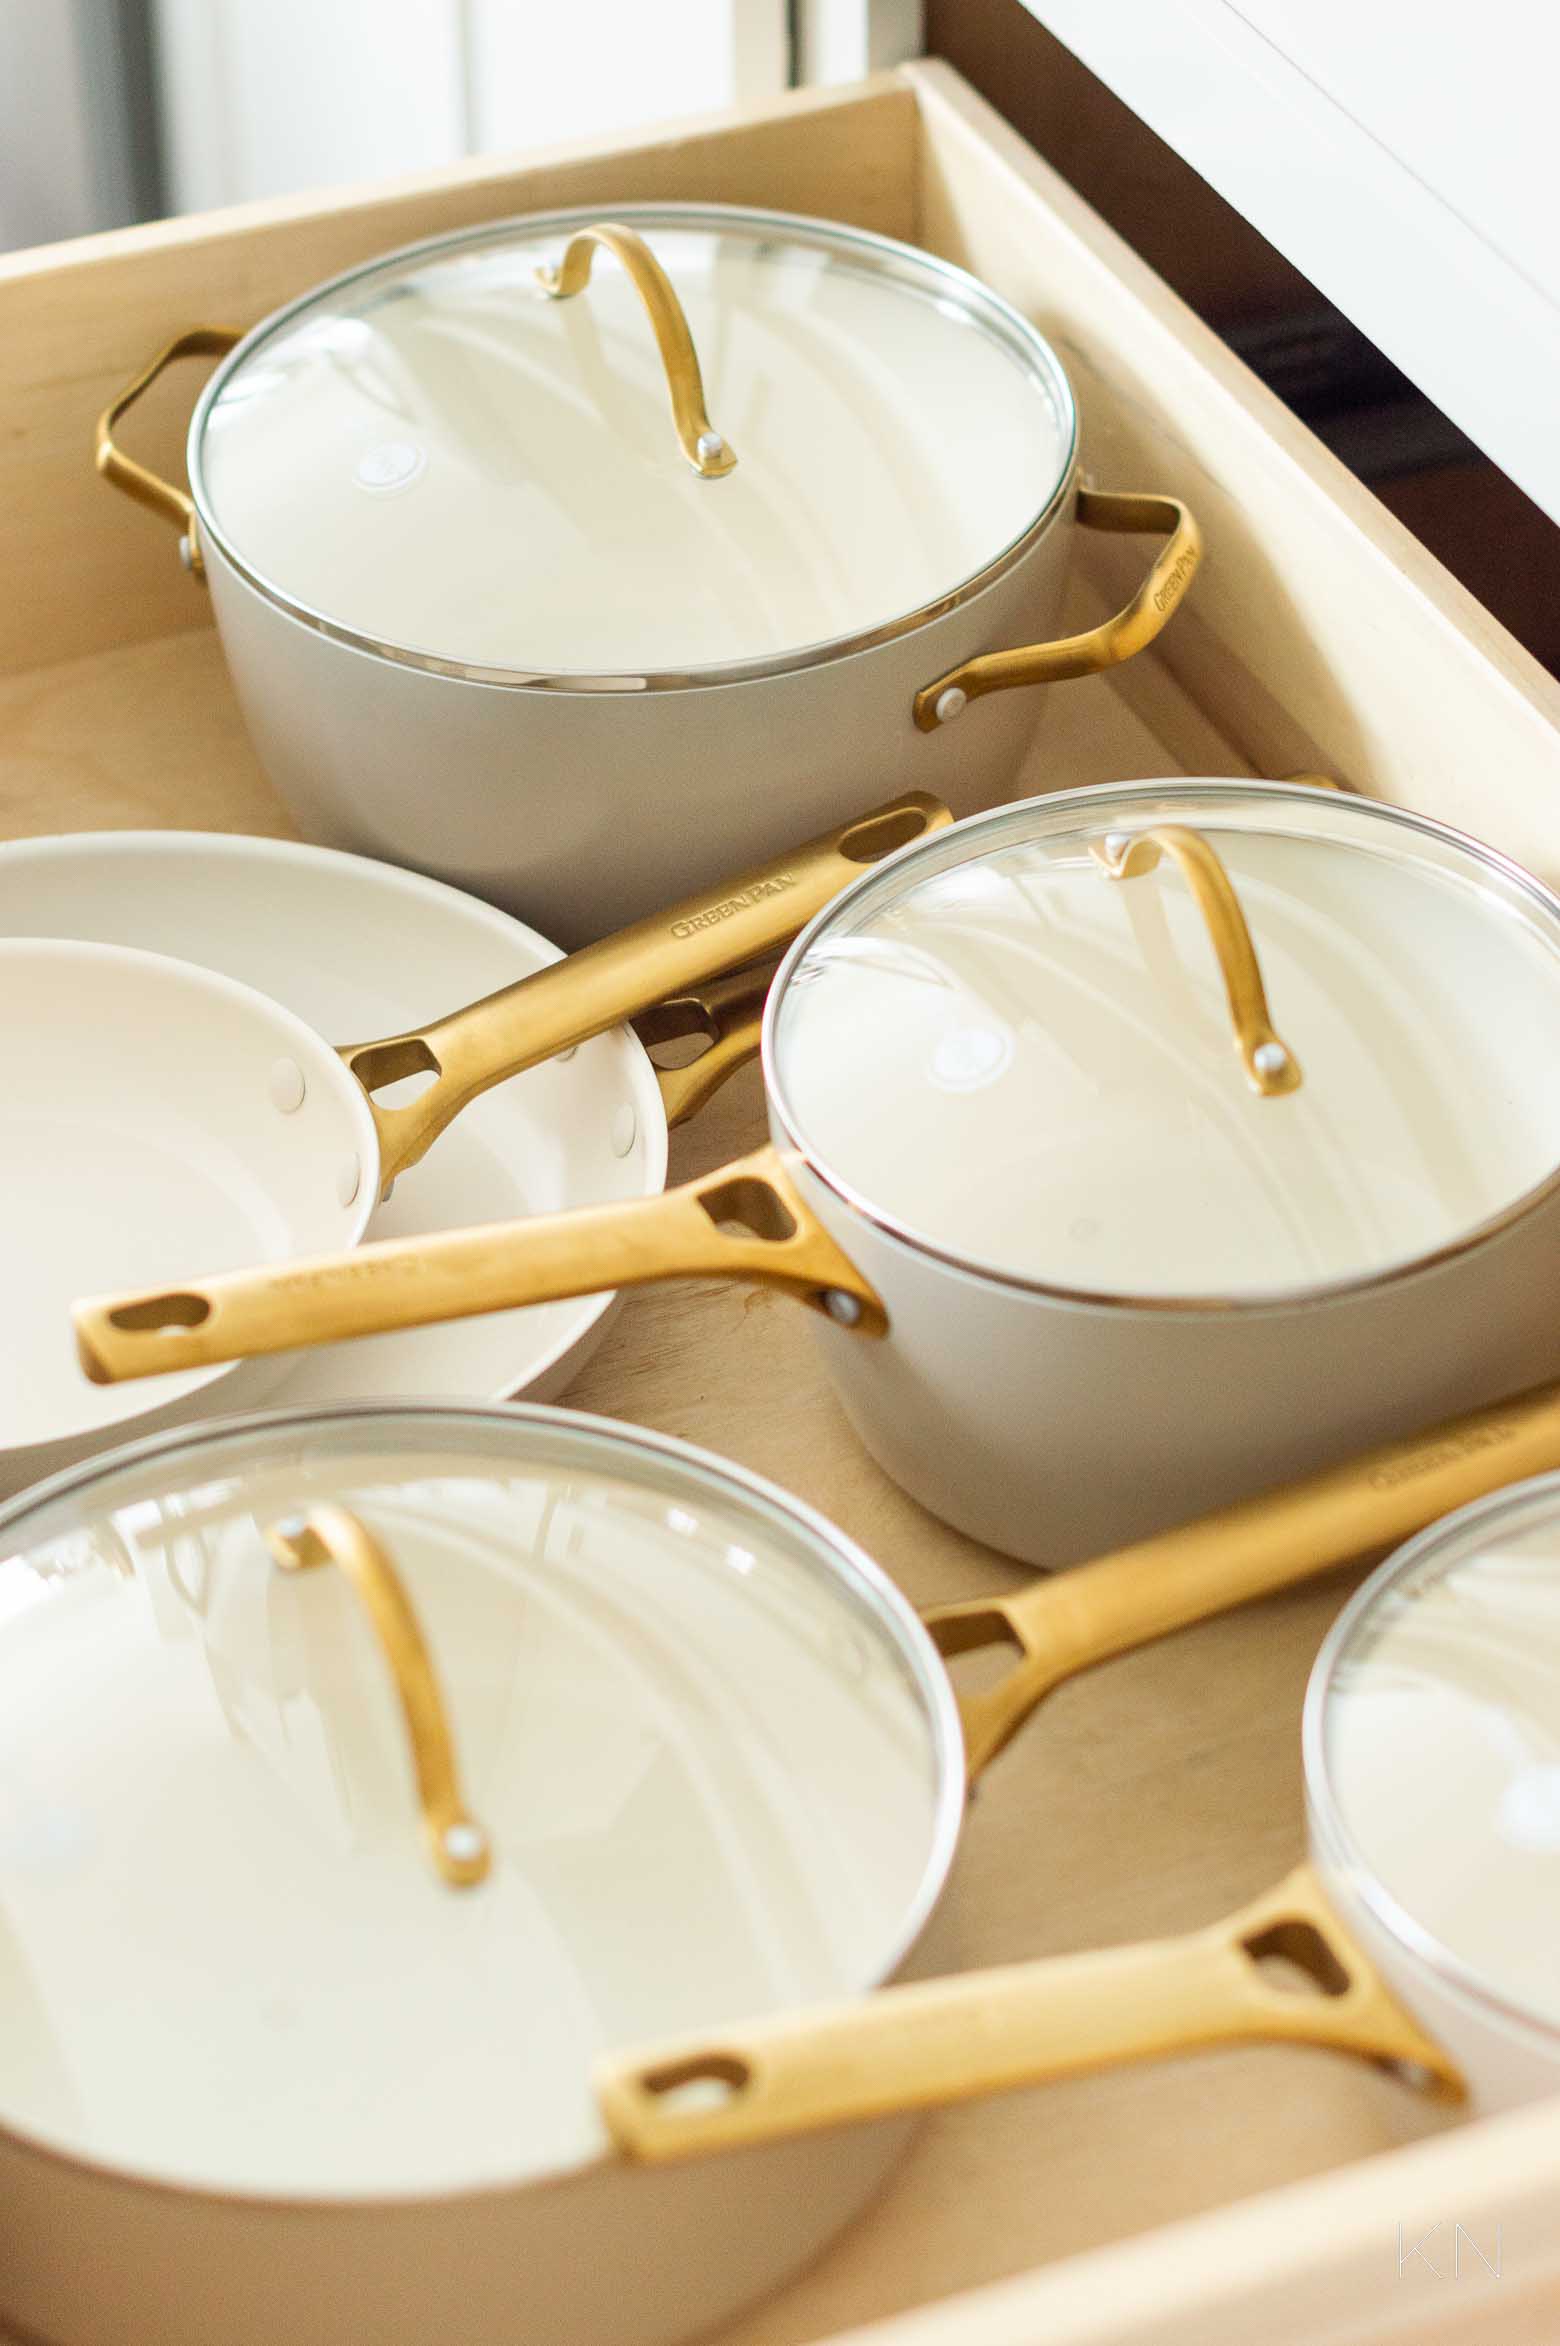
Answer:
(1249, 2198)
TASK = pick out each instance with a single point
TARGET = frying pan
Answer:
(593, 2248)
(148, 1043)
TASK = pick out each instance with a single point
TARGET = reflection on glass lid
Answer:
(1440, 1745)
(701, 1756)
(436, 458)
(1027, 1063)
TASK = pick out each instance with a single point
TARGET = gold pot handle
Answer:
(729, 1013)
(748, 1220)
(1271, 1067)
(455, 1841)
(1065, 1623)
(709, 454)
(138, 480)
(954, 2040)
(619, 977)
(1105, 646)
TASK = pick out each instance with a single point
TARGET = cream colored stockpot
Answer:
(299, 2039)
(1103, 1234)
(1427, 1920)
(497, 609)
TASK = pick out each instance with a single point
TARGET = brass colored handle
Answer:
(1105, 646)
(953, 2040)
(1067, 1622)
(138, 480)
(706, 451)
(746, 1221)
(621, 976)
(1271, 1067)
(729, 1012)
(332, 1535)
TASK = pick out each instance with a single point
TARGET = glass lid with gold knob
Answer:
(363, 1775)
(638, 446)
(1180, 1042)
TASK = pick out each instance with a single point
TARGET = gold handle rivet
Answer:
(1270, 1058)
(951, 704)
(464, 1842)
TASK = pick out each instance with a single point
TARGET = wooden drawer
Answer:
(1245, 2196)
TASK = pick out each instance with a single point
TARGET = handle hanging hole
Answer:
(152, 1312)
(751, 1207)
(705, 2081)
(1295, 1957)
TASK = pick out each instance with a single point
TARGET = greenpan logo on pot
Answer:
(715, 913)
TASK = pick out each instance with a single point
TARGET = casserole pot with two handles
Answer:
(1140, 1147)
(492, 611)
(367, 1775)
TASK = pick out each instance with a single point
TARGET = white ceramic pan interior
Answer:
(153, 1105)
(353, 947)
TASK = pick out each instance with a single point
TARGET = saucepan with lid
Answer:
(367, 1773)
(160, 1106)
(1139, 1147)
(451, 530)
(1422, 1927)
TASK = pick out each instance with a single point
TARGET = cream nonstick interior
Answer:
(714, 1759)
(1021, 1061)
(377, 456)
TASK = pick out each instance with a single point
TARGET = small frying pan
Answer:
(164, 1108)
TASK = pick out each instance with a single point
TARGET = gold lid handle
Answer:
(1116, 639)
(455, 1841)
(138, 480)
(953, 2040)
(1066, 1622)
(706, 450)
(1271, 1067)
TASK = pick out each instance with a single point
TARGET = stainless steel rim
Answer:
(886, 255)
(940, 850)
(1330, 1834)
(863, 1582)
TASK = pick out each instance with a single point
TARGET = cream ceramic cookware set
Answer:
(451, 529)
(373, 1780)
(434, 1771)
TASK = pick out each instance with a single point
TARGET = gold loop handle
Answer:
(1271, 1067)
(746, 1221)
(729, 1013)
(333, 1535)
(138, 480)
(620, 977)
(1105, 646)
(954, 2040)
(1066, 1622)
(708, 453)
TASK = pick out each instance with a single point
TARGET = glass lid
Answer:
(1433, 1747)
(438, 459)
(1179, 1042)
(698, 1763)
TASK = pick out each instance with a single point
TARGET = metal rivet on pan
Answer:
(464, 1842)
(187, 551)
(1270, 1058)
(1116, 845)
(625, 1129)
(349, 1178)
(842, 1307)
(710, 445)
(287, 1086)
(951, 704)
